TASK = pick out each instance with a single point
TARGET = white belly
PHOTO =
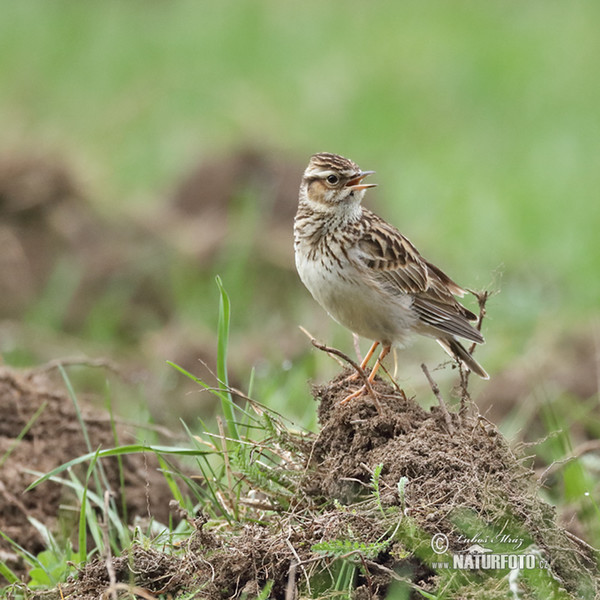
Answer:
(356, 304)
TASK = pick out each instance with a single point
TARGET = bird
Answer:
(367, 275)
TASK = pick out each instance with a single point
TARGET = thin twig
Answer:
(436, 392)
(103, 363)
(583, 543)
(482, 298)
(464, 389)
(295, 564)
(391, 377)
(354, 365)
(290, 590)
(312, 338)
(334, 352)
(134, 590)
(258, 407)
(227, 464)
(578, 452)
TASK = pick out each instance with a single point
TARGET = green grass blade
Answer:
(83, 526)
(167, 473)
(26, 555)
(131, 449)
(6, 572)
(227, 403)
(217, 392)
(84, 430)
(113, 427)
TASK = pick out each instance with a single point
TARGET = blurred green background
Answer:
(480, 118)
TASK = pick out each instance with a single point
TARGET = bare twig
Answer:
(386, 371)
(581, 542)
(464, 389)
(482, 298)
(312, 338)
(103, 363)
(436, 392)
(578, 452)
(134, 590)
(290, 590)
(334, 352)
(227, 464)
(354, 365)
(292, 575)
(258, 407)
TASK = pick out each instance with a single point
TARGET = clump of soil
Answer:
(453, 468)
(54, 438)
(464, 465)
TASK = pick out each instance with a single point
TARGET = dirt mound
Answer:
(368, 494)
(451, 470)
(53, 438)
(410, 442)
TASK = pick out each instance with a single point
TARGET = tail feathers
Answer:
(457, 351)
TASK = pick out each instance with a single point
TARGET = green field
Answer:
(480, 118)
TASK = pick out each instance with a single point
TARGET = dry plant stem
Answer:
(354, 365)
(578, 452)
(436, 392)
(367, 575)
(227, 464)
(581, 542)
(290, 590)
(134, 590)
(295, 564)
(482, 298)
(256, 405)
(311, 337)
(103, 363)
(465, 397)
(391, 378)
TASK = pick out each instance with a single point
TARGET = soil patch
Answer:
(54, 438)
(370, 491)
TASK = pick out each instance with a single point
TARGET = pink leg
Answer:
(384, 352)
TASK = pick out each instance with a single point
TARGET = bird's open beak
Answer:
(355, 182)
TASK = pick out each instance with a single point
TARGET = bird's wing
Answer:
(394, 264)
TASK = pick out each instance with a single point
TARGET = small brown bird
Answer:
(366, 274)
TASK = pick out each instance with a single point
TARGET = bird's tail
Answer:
(457, 351)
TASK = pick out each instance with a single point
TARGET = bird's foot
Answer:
(359, 392)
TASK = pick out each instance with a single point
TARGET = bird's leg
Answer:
(368, 356)
(364, 363)
(384, 352)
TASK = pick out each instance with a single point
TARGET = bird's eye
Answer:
(333, 179)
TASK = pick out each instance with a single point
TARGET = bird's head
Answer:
(333, 183)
